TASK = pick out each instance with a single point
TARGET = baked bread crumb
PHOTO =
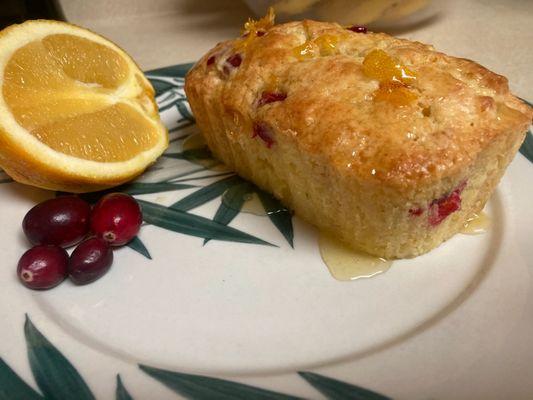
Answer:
(385, 143)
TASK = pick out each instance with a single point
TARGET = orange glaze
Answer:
(395, 79)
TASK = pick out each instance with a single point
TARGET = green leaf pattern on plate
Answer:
(278, 214)
(336, 390)
(137, 245)
(206, 194)
(234, 199)
(58, 379)
(201, 387)
(194, 225)
(527, 146)
(55, 375)
(121, 392)
(14, 388)
(135, 188)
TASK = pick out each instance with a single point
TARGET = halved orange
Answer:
(76, 112)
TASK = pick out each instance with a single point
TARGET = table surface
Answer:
(497, 34)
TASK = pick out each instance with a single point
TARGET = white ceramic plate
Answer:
(455, 323)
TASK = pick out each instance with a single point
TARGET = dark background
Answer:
(16, 11)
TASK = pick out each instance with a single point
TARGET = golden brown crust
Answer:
(329, 111)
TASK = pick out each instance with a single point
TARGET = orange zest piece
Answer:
(394, 93)
(305, 51)
(252, 28)
(263, 24)
(379, 65)
(394, 78)
(324, 45)
(327, 44)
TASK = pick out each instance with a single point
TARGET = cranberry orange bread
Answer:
(383, 142)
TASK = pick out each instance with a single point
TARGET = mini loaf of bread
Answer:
(384, 143)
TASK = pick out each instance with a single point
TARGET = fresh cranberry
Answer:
(89, 261)
(231, 63)
(264, 133)
(210, 60)
(234, 60)
(116, 218)
(271, 97)
(416, 211)
(439, 209)
(43, 267)
(358, 29)
(63, 221)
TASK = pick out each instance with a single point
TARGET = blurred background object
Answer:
(158, 33)
(377, 14)
(16, 11)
